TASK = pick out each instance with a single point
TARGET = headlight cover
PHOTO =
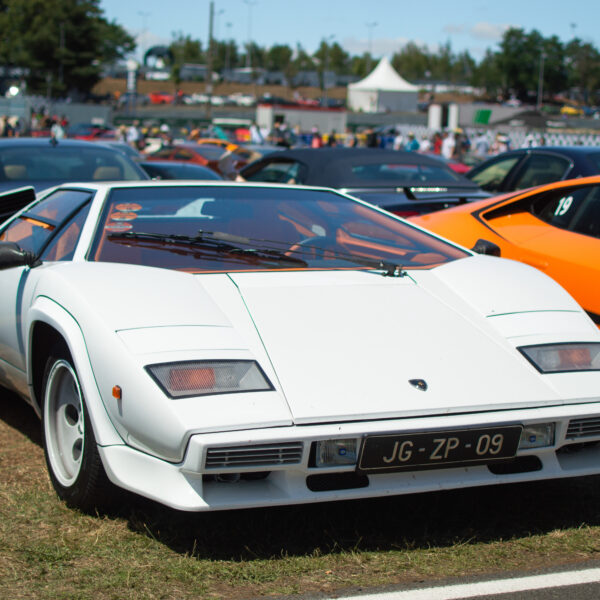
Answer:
(204, 377)
(563, 358)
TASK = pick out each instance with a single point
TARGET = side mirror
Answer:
(11, 255)
(486, 247)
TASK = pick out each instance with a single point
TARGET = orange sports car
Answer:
(554, 227)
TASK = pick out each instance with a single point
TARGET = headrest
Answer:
(107, 174)
(15, 172)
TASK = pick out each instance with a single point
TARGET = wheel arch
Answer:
(51, 324)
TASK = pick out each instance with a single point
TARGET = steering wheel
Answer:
(316, 247)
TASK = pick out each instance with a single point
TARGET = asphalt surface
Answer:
(573, 583)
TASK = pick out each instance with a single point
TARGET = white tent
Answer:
(382, 90)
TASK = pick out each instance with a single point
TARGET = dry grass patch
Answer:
(146, 551)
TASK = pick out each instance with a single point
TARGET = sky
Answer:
(381, 26)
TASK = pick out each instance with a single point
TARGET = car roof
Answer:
(329, 166)
(566, 150)
(45, 141)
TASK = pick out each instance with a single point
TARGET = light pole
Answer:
(370, 28)
(540, 92)
(250, 4)
(144, 16)
(209, 59)
(325, 67)
(217, 15)
(227, 48)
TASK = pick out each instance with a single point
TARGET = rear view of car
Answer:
(404, 183)
(43, 163)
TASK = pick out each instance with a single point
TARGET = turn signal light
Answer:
(561, 358)
(190, 379)
(202, 377)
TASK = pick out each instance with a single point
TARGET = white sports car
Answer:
(221, 346)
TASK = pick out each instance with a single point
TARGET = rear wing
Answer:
(14, 200)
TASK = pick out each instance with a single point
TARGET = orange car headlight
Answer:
(562, 358)
(203, 377)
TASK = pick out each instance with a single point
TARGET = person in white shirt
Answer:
(448, 145)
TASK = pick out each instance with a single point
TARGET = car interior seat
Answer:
(14, 172)
(107, 173)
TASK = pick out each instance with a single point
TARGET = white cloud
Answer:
(378, 46)
(488, 31)
(451, 29)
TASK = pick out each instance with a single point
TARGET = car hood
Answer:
(339, 345)
(347, 346)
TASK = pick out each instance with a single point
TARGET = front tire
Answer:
(72, 457)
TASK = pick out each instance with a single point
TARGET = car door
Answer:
(559, 233)
(493, 174)
(538, 168)
(51, 229)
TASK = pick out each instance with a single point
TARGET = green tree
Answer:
(303, 60)
(186, 50)
(520, 58)
(361, 65)
(583, 60)
(278, 58)
(61, 43)
(488, 74)
(258, 56)
(337, 59)
(412, 62)
(225, 55)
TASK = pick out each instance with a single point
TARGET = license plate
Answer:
(413, 451)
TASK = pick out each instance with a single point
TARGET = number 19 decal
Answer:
(564, 205)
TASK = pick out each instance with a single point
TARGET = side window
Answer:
(279, 172)
(491, 178)
(562, 208)
(30, 234)
(587, 219)
(183, 155)
(539, 169)
(163, 153)
(33, 228)
(62, 247)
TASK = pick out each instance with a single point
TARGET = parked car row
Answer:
(216, 345)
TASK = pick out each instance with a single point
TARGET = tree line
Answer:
(61, 47)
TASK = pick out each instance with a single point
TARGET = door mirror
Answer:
(486, 247)
(11, 255)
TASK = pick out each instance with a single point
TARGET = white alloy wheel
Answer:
(64, 423)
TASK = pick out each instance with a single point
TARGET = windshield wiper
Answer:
(389, 269)
(216, 241)
(226, 243)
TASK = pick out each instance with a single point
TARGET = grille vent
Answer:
(265, 455)
(581, 428)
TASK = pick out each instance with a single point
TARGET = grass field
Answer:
(145, 550)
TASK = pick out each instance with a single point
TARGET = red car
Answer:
(205, 155)
(91, 131)
(163, 97)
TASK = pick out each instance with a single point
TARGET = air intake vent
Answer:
(265, 455)
(580, 428)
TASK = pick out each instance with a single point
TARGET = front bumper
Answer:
(284, 476)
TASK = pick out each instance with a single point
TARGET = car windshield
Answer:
(400, 174)
(241, 228)
(64, 163)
